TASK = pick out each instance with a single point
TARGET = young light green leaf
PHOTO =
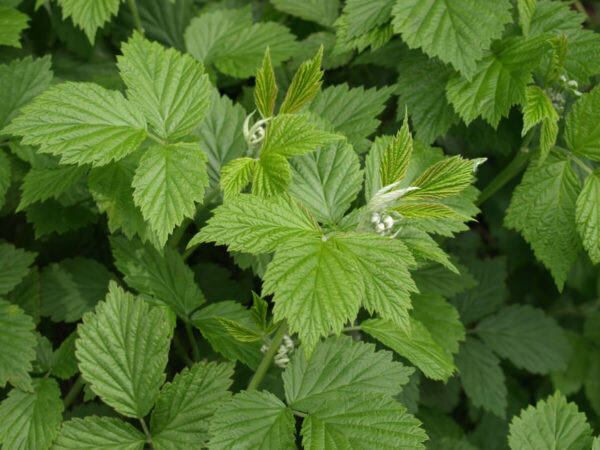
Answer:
(499, 80)
(323, 12)
(457, 32)
(122, 350)
(482, 377)
(316, 287)
(543, 210)
(306, 83)
(165, 276)
(552, 423)
(72, 287)
(12, 22)
(168, 183)
(259, 311)
(396, 157)
(427, 211)
(560, 51)
(538, 107)
(265, 91)
(207, 321)
(169, 87)
(185, 405)
(418, 346)
(528, 337)
(30, 420)
(239, 332)
(362, 421)
(340, 367)
(383, 264)
(95, 432)
(14, 266)
(582, 131)
(272, 175)
(327, 181)
(526, 10)
(18, 346)
(236, 175)
(587, 215)
(441, 318)
(82, 122)
(89, 16)
(253, 419)
(42, 184)
(22, 81)
(257, 225)
(548, 136)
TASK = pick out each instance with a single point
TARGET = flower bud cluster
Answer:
(285, 350)
(383, 223)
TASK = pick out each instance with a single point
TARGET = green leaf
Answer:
(548, 136)
(165, 21)
(527, 337)
(543, 210)
(257, 225)
(110, 186)
(259, 311)
(422, 90)
(165, 276)
(168, 183)
(418, 346)
(306, 83)
(538, 107)
(12, 22)
(82, 122)
(323, 12)
(185, 405)
(499, 80)
(5, 177)
(95, 432)
(253, 419)
(89, 16)
(445, 178)
(123, 350)
(316, 287)
(352, 112)
(207, 321)
(482, 377)
(30, 420)
(26, 294)
(570, 380)
(169, 87)
(327, 181)
(222, 135)
(582, 131)
(53, 217)
(265, 91)
(289, 135)
(236, 175)
(72, 287)
(340, 367)
(14, 266)
(396, 157)
(437, 279)
(18, 347)
(361, 17)
(228, 39)
(457, 32)
(22, 81)
(383, 265)
(64, 363)
(587, 215)
(272, 175)
(552, 423)
(239, 332)
(42, 184)
(526, 10)
(441, 318)
(362, 421)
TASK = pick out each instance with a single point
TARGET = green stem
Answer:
(179, 232)
(515, 167)
(156, 139)
(353, 328)
(299, 413)
(136, 16)
(74, 391)
(575, 159)
(264, 365)
(190, 332)
(146, 432)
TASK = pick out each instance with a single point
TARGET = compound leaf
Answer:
(95, 432)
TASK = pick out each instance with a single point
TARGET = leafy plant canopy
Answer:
(281, 224)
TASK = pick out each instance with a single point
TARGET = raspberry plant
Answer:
(299, 224)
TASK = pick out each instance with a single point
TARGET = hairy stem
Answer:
(264, 365)
(146, 432)
(136, 16)
(73, 392)
(190, 332)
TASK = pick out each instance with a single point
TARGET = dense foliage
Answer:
(315, 224)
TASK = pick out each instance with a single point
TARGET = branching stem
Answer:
(146, 432)
(264, 365)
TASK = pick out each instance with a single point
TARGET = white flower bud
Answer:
(389, 222)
